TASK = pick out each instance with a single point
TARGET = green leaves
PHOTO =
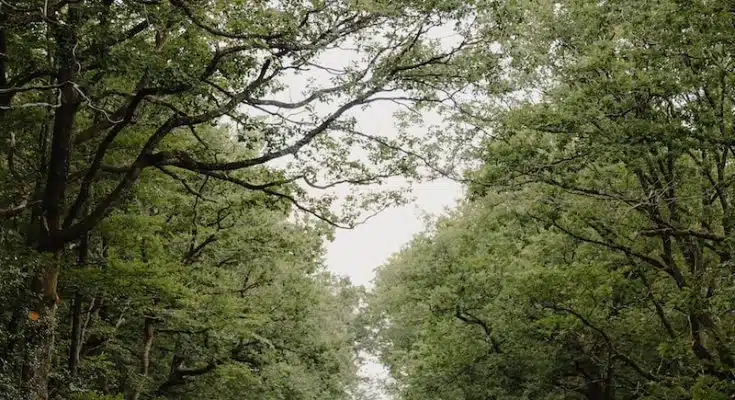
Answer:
(595, 246)
(238, 300)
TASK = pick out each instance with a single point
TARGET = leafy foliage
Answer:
(161, 235)
(160, 229)
(593, 257)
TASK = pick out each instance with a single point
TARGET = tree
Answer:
(600, 254)
(185, 296)
(652, 152)
(95, 94)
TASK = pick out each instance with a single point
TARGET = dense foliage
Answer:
(182, 296)
(172, 168)
(169, 174)
(593, 257)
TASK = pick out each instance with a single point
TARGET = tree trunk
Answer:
(4, 97)
(40, 332)
(147, 345)
(145, 355)
(42, 324)
(75, 346)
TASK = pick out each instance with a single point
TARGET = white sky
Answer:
(357, 252)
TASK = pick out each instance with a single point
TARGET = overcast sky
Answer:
(357, 252)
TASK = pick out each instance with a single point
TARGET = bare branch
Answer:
(17, 209)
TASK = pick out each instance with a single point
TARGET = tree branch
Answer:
(627, 360)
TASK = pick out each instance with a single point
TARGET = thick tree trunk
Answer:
(40, 332)
(42, 324)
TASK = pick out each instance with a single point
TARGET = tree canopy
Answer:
(592, 258)
(159, 217)
(171, 170)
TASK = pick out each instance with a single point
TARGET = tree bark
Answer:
(147, 345)
(145, 356)
(4, 97)
(40, 332)
(42, 324)
(75, 346)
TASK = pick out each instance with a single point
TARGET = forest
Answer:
(171, 172)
